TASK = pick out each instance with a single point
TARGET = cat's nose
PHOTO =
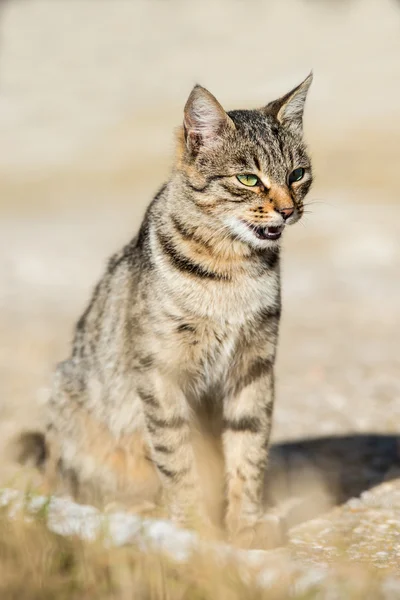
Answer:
(285, 212)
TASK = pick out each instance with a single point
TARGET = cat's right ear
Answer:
(289, 109)
(204, 120)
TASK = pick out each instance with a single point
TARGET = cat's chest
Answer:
(210, 348)
(230, 304)
(204, 352)
(218, 354)
(211, 325)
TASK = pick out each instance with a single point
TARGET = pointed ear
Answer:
(289, 109)
(204, 119)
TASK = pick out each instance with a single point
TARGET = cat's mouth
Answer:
(264, 232)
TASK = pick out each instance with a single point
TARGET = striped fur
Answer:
(180, 335)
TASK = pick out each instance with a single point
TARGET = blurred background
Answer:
(90, 93)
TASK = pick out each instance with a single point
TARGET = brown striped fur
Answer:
(179, 340)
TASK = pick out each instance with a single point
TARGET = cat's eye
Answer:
(249, 180)
(296, 175)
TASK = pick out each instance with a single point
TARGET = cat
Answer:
(179, 340)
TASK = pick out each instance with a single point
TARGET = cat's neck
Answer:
(188, 231)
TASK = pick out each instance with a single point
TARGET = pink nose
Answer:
(286, 212)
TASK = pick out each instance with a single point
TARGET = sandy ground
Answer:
(89, 97)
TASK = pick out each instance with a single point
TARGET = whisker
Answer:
(304, 222)
(318, 201)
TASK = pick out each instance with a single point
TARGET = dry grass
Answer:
(38, 564)
(35, 563)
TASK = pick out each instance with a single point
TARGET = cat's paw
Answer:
(199, 521)
(268, 532)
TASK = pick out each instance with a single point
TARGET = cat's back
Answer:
(117, 300)
(117, 290)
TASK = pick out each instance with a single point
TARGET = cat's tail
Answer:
(30, 448)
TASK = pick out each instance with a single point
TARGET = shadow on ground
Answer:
(311, 476)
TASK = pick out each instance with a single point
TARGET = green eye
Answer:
(249, 180)
(296, 175)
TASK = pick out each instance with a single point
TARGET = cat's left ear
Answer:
(205, 121)
(289, 109)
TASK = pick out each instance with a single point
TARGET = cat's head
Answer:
(247, 169)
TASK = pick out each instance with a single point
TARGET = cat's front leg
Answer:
(167, 414)
(246, 432)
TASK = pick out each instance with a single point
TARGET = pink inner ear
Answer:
(204, 117)
(205, 122)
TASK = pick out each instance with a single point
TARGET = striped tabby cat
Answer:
(179, 339)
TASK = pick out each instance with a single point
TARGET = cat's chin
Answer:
(255, 235)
